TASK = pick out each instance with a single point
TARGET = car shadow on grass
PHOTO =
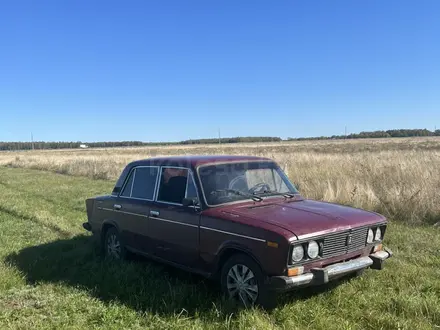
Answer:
(139, 283)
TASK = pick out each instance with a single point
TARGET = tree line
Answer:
(63, 145)
(39, 145)
(376, 134)
(238, 139)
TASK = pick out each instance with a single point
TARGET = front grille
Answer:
(340, 243)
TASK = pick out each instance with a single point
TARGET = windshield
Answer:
(224, 183)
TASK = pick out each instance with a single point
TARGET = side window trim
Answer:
(132, 183)
(190, 173)
(195, 207)
(187, 184)
(133, 171)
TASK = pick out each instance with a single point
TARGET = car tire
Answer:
(113, 247)
(243, 281)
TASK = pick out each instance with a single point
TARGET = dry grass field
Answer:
(397, 177)
(52, 276)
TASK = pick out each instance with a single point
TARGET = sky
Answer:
(84, 70)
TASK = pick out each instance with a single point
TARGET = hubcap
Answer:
(113, 247)
(242, 284)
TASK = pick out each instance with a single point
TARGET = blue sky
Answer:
(82, 70)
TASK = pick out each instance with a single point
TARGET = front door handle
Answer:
(154, 213)
(117, 207)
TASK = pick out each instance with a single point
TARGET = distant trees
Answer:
(72, 145)
(239, 139)
(63, 145)
(377, 134)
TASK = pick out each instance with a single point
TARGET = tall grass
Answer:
(52, 277)
(399, 178)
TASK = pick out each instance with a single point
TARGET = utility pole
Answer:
(32, 140)
(345, 131)
(219, 139)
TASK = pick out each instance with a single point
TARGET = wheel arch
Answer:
(230, 249)
(106, 225)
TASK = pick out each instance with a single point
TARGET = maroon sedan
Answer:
(237, 219)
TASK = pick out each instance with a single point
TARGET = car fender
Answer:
(110, 222)
(234, 245)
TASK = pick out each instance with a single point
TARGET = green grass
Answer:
(51, 276)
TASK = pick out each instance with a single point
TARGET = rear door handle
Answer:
(117, 207)
(154, 213)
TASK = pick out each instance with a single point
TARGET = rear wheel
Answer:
(243, 280)
(113, 247)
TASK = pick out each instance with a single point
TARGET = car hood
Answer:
(308, 217)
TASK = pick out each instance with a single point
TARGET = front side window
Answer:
(172, 188)
(224, 183)
(141, 183)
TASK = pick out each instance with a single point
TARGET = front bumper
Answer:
(318, 276)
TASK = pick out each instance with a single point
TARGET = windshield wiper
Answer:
(239, 193)
(273, 192)
(288, 195)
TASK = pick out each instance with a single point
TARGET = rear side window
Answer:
(144, 182)
(141, 183)
(127, 189)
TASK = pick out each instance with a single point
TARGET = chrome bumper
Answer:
(319, 276)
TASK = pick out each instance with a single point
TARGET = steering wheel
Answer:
(259, 187)
(238, 183)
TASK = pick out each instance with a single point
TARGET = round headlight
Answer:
(378, 235)
(313, 250)
(297, 253)
(370, 236)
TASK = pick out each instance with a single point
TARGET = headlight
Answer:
(297, 253)
(313, 250)
(370, 236)
(378, 235)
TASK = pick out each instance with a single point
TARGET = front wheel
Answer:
(243, 281)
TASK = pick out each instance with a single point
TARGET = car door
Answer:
(132, 207)
(174, 228)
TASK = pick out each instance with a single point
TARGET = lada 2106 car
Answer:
(235, 218)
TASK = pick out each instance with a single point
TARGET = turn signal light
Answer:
(377, 247)
(272, 244)
(295, 271)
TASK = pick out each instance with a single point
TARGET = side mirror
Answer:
(190, 202)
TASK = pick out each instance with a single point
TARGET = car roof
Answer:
(183, 161)
(196, 160)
